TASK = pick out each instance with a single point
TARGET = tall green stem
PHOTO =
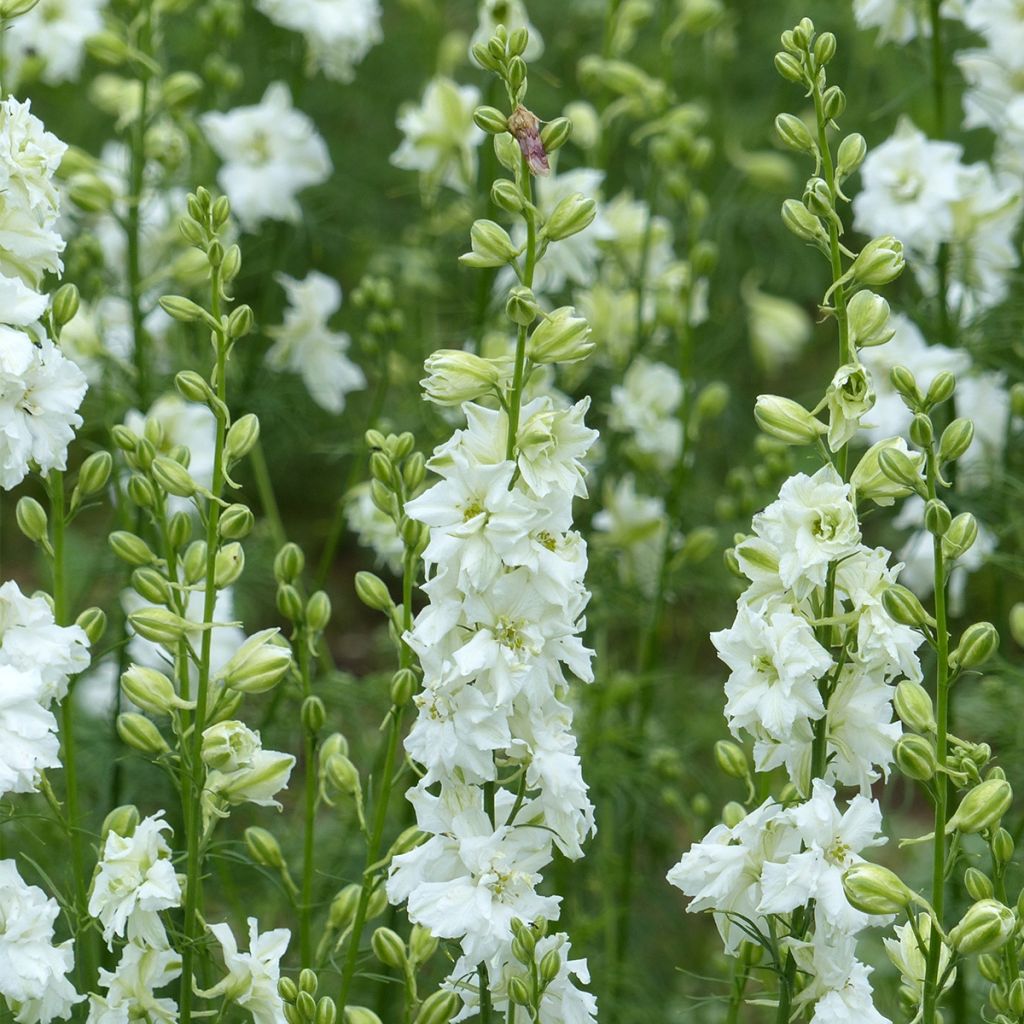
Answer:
(309, 833)
(194, 811)
(938, 76)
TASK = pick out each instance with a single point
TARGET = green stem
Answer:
(306, 921)
(931, 992)
(741, 972)
(194, 811)
(486, 1007)
(265, 488)
(938, 76)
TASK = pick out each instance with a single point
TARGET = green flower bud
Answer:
(941, 389)
(790, 68)
(849, 157)
(414, 471)
(1015, 998)
(377, 904)
(229, 563)
(16, 8)
(326, 1011)
(818, 197)
(342, 774)
(960, 536)
(914, 757)
(288, 563)
(151, 690)
(937, 517)
(1017, 623)
(518, 991)
(173, 477)
(550, 965)
(193, 387)
(292, 1015)
(64, 304)
(561, 337)
(879, 262)
(522, 308)
(91, 193)
(986, 927)
(733, 813)
(793, 133)
(454, 377)
(243, 434)
(990, 968)
(786, 420)
(236, 522)
(31, 519)
(901, 468)
(313, 714)
(977, 884)
(824, 48)
(389, 948)
(868, 318)
(1002, 847)
(343, 907)
(194, 561)
(507, 195)
(94, 622)
(264, 848)
(372, 591)
(180, 89)
(141, 492)
(129, 548)
(731, 759)
(308, 982)
(318, 611)
(978, 643)
(403, 686)
(802, 223)
(240, 322)
(139, 733)
(94, 474)
(873, 889)
(555, 134)
(869, 481)
(179, 529)
(184, 310)
(406, 841)
(159, 625)
(121, 820)
(360, 1015)
(913, 705)
(289, 603)
(491, 246)
(572, 215)
(258, 665)
(490, 120)
(438, 1008)
(833, 102)
(982, 807)
(422, 945)
(231, 263)
(956, 439)
(921, 430)
(124, 438)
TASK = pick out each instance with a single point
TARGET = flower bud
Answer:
(31, 519)
(792, 131)
(518, 991)
(389, 948)
(422, 945)
(342, 774)
(978, 643)
(159, 625)
(508, 195)
(561, 337)
(454, 377)
(786, 420)
(438, 1008)
(318, 612)
(914, 757)
(904, 606)
(343, 907)
(308, 982)
(121, 820)
(491, 246)
(258, 665)
(522, 308)
(372, 591)
(913, 705)
(990, 968)
(1015, 998)
(236, 522)
(94, 474)
(179, 529)
(868, 318)
(326, 1011)
(288, 563)
(360, 1015)
(901, 468)
(403, 686)
(289, 603)
(977, 884)
(16, 8)
(871, 484)
(264, 848)
(129, 548)
(1002, 847)
(242, 435)
(229, 563)
(556, 133)
(550, 965)
(731, 759)
(193, 563)
(414, 471)
(879, 262)
(873, 889)
(177, 307)
(982, 807)
(139, 733)
(90, 193)
(490, 120)
(93, 621)
(733, 813)
(173, 477)
(986, 927)
(956, 439)
(824, 48)
(313, 714)
(833, 102)
(921, 430)
(937, 517)
(790, 68)
(406, 841)
(802, 223)
(151, 690)
(193, 387)
(572, 215)
(849, 157)
(960, 536)
(240, 322)
(941, 389)
(124, 438)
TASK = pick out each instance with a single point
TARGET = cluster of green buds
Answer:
(862, 315)
(530, 977)
(408, 958)
(300, 1003)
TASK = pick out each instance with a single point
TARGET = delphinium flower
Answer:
(644, 406)
(338, 33)
(270, 152)
(500, 632)
(305, 344)
(50, 38)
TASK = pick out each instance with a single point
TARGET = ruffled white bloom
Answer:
(832, 843)
(252, 977)
(131, 988)
(911, 960)
(134, 881)
(373, 528)
(338, 33)
(723, 871)
(30, 640)
(838, 986)
(304, 344)
(270, 153)
(28, 731)
(900, 21)
(40, 392)
(440, 137)
(984, 399)
(54, 32)
(634, 525)
(33, 976)
(100, 335)
(1001, 25)
(645, 404)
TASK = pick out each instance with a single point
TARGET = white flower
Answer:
(911, 960)
(339, 33)
(723, 871)
(32, 975)
(983, 398)
(270, 152)
(838, 982)
(132, 986)
(53, 32)
(40, 392)
(28, 731)
(775, 664)
(134, 881)
(641, 242)
(633, 524)
(897, 21)
(374, 529)
(1000, 23)
(252, 977)
(29, 157)
(909, 185)
(441, 138)
(832, 843)
(304, 343)
(645, 405)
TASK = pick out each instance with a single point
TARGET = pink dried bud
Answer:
(525, 129)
